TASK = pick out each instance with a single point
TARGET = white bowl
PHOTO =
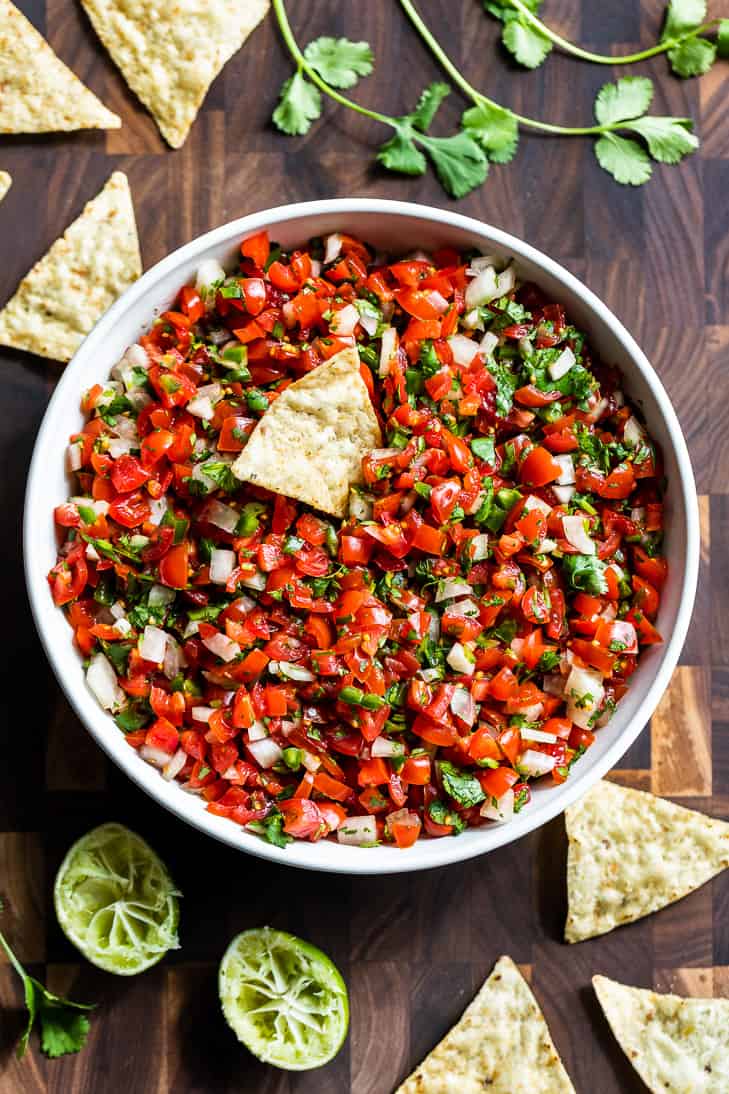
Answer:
(398, 227)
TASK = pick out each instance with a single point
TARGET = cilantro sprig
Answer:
(64, 1026)
(690, 53)
(627, 137)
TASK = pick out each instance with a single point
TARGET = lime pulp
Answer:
(116, 901)
(284, 999)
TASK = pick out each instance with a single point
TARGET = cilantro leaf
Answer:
(339, 61)
(627, 98)
(271, 829)
(692, 57)
(298, 106)
(722, 38)
(624, 159)
(63, 1029)
(586, 573)
(400, 153)
(496, 130)
(461, 785)
(459, 162)
(506, 12)
(668, 139)
(682, 16)
(441, 814)
(428, 105)
(528, 45)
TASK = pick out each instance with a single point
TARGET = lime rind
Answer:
(116, 902)
(284, 999)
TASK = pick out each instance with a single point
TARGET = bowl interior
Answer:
(397, 228)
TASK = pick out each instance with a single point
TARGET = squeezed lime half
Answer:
(116, 901)
(284, 999)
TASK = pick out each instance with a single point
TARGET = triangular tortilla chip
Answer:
(675, 1044)
(5, 183)
(38, 94)
(310, 443)
(169, 54)
(631, 853)
(60, 299)
(501, 1044)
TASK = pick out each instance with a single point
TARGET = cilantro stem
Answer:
(303, 65)
(479, 99)
(602, 58)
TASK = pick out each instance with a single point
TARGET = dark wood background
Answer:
(413, 948)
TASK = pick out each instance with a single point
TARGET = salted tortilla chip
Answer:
(38, 94)
(675, 1044)
(169, 54)
(5, 183)
(631, 853)
(60, 299)
(310, 443)
(501, 1044)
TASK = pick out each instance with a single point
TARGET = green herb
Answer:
(484, 448)
(442, 814)
(586, 573)
(221, 474)
(271, 828)
(134, 717)
(118, 654)
(506, 384)
(64, 1026)
(549, 661)
(461, 785)
(250, 519)
(521, 797)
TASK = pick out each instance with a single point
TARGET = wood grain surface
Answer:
(413, 948)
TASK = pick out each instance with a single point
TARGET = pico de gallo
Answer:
(410, 670)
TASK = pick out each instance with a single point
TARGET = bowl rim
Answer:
(302, 854)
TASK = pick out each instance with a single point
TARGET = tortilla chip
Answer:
(38, 94)
(60, 299)
(5, 183)
(501, 1044)
(310, 443)
(631, 853)
(169, 54)
(675, 1044)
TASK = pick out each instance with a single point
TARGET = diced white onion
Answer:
(120, 446)
(437, 301)
(291, 671)
(563, 493)
(472, 320)
(459, 660)
(222, 646)
(201, 407)
(153, 643)
(534, 764)
(451, 587)
(256, 581)
(157, 510)
(332, 247)
(488, 344)
(576, 534)
(481, 263)
(538, 735)
(525, 347)
(174, 659)
(156, 756)
(483, 288)
(503, 811)
(553, 684)
(532, 713)
(118, 610)
(102, 681)
(433, 628)
(584, 693)
(467, 608)
(480, 547)
(429, 675)
(463, 349)
(567, 474)
(160, 594)
(533, 502)
(208, 273)
(266, 752)
(344, 321)
(369, 317)
(633, 433)
(123, 627)
(383, 746)
(74, 456)
(202, 714)
(463, 706)
(221, 515)
(357, 831)
(91, 553)
(191, 629)
(257, 732)
(222, 564)
(561, 366)
(174, 766)
(310, 761)
(637, 514)
(388, 349)
(506, 281)
(137, 356)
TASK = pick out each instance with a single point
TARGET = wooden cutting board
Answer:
(413, 948)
